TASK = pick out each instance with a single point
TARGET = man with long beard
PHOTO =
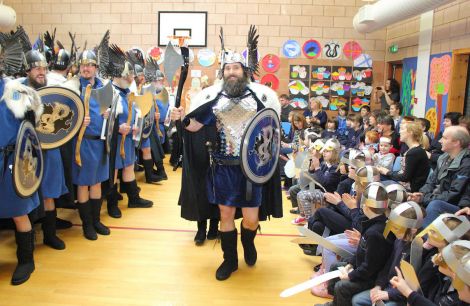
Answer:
(228, 107)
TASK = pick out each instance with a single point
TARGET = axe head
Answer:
(104, 96)
(143, 102)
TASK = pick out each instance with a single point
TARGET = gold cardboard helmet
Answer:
(459, 265)
(396, 194)
(368, 174)
(398, 222)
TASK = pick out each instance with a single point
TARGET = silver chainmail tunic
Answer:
(233, 115)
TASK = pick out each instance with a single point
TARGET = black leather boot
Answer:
(87, 221)
(161, 170)
(95, 212)
(229, 247)
(49, 231)
(248, 242)
(112, 203)
(201, 232)
(150, 177)
(135, 201)
(62, 224)
(24, 254)
(213, 229)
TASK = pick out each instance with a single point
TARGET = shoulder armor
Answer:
(206, 95)
(266, 95)
(21, 98)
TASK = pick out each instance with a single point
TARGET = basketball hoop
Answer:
(180, 41)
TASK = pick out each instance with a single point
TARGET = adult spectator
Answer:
(388, 94)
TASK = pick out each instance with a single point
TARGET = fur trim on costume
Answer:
(73, 84)
(265, 94)
(117, 98)
(21, 98)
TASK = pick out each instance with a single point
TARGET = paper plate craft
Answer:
(156, 53)
(291, 49)
(352, 49)
(340, 89)
(311, 48)
(363, 60)
(206, 57)
(297, 86)
(332, 49)
(341, 74)
(271, 81)
(271, 63)
(321, 73)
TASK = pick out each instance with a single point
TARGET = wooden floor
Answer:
(150, 259)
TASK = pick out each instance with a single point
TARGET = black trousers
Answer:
(328, 217)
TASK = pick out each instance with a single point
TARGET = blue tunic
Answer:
(129, 146)
(10, 204)
(53, 179)
(95, 161)
(163, 109)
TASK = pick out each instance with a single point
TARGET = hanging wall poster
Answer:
(206, 57)
(332, 50)
(341, 73)
(271, 81)
(311, 48)
(321, 72)
(438, 89)
(336, 102)
(291, 49)
(363, 60)
(362, 74)
(408, 85)
(299, 72)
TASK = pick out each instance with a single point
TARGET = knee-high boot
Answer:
(112, 203)
(248, 242)
(201, 232)
(49, 231)
(161, 170)
(229, 247)
(24, 254)
(135, 201)
(95, 212)
(150, 177)
(87, 221)
(213, 229)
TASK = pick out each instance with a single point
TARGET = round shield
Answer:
(110, 126)
(260, 146)
(28, 165)
(62, 117)
(149, 120)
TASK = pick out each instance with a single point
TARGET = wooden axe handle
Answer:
(130, 101)
(86, 103)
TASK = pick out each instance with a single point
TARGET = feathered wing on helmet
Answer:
(102, 54)
(136, 57)
(11, 54)
(49, 43)
(117, 62)
(23, 39)
(222, 48)
(73, 50)
(152, 70)
(252, 46)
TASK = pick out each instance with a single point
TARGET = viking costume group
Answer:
(66, 139)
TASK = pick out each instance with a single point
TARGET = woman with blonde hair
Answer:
(416, 166)
(316, 116)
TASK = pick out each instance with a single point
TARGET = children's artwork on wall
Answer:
(320, 88)
(332, 49)
(156, 53)
(311, 48)
(408, 85)
(438, 89)
(362, 74)
(299, 72)
(363, 60)
(358, 102)
(324, 101)
(336, 102)
(341, 73)
(352, 49)
(361, 89)
(298, 101)
(271, 81)
(291, 49)
(297, 87)
(206, 57)
(321, 72)
(340, 89)
(271, 63)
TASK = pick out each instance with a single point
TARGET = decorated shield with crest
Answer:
(260, 146)
(28, 165)
(62, 117)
